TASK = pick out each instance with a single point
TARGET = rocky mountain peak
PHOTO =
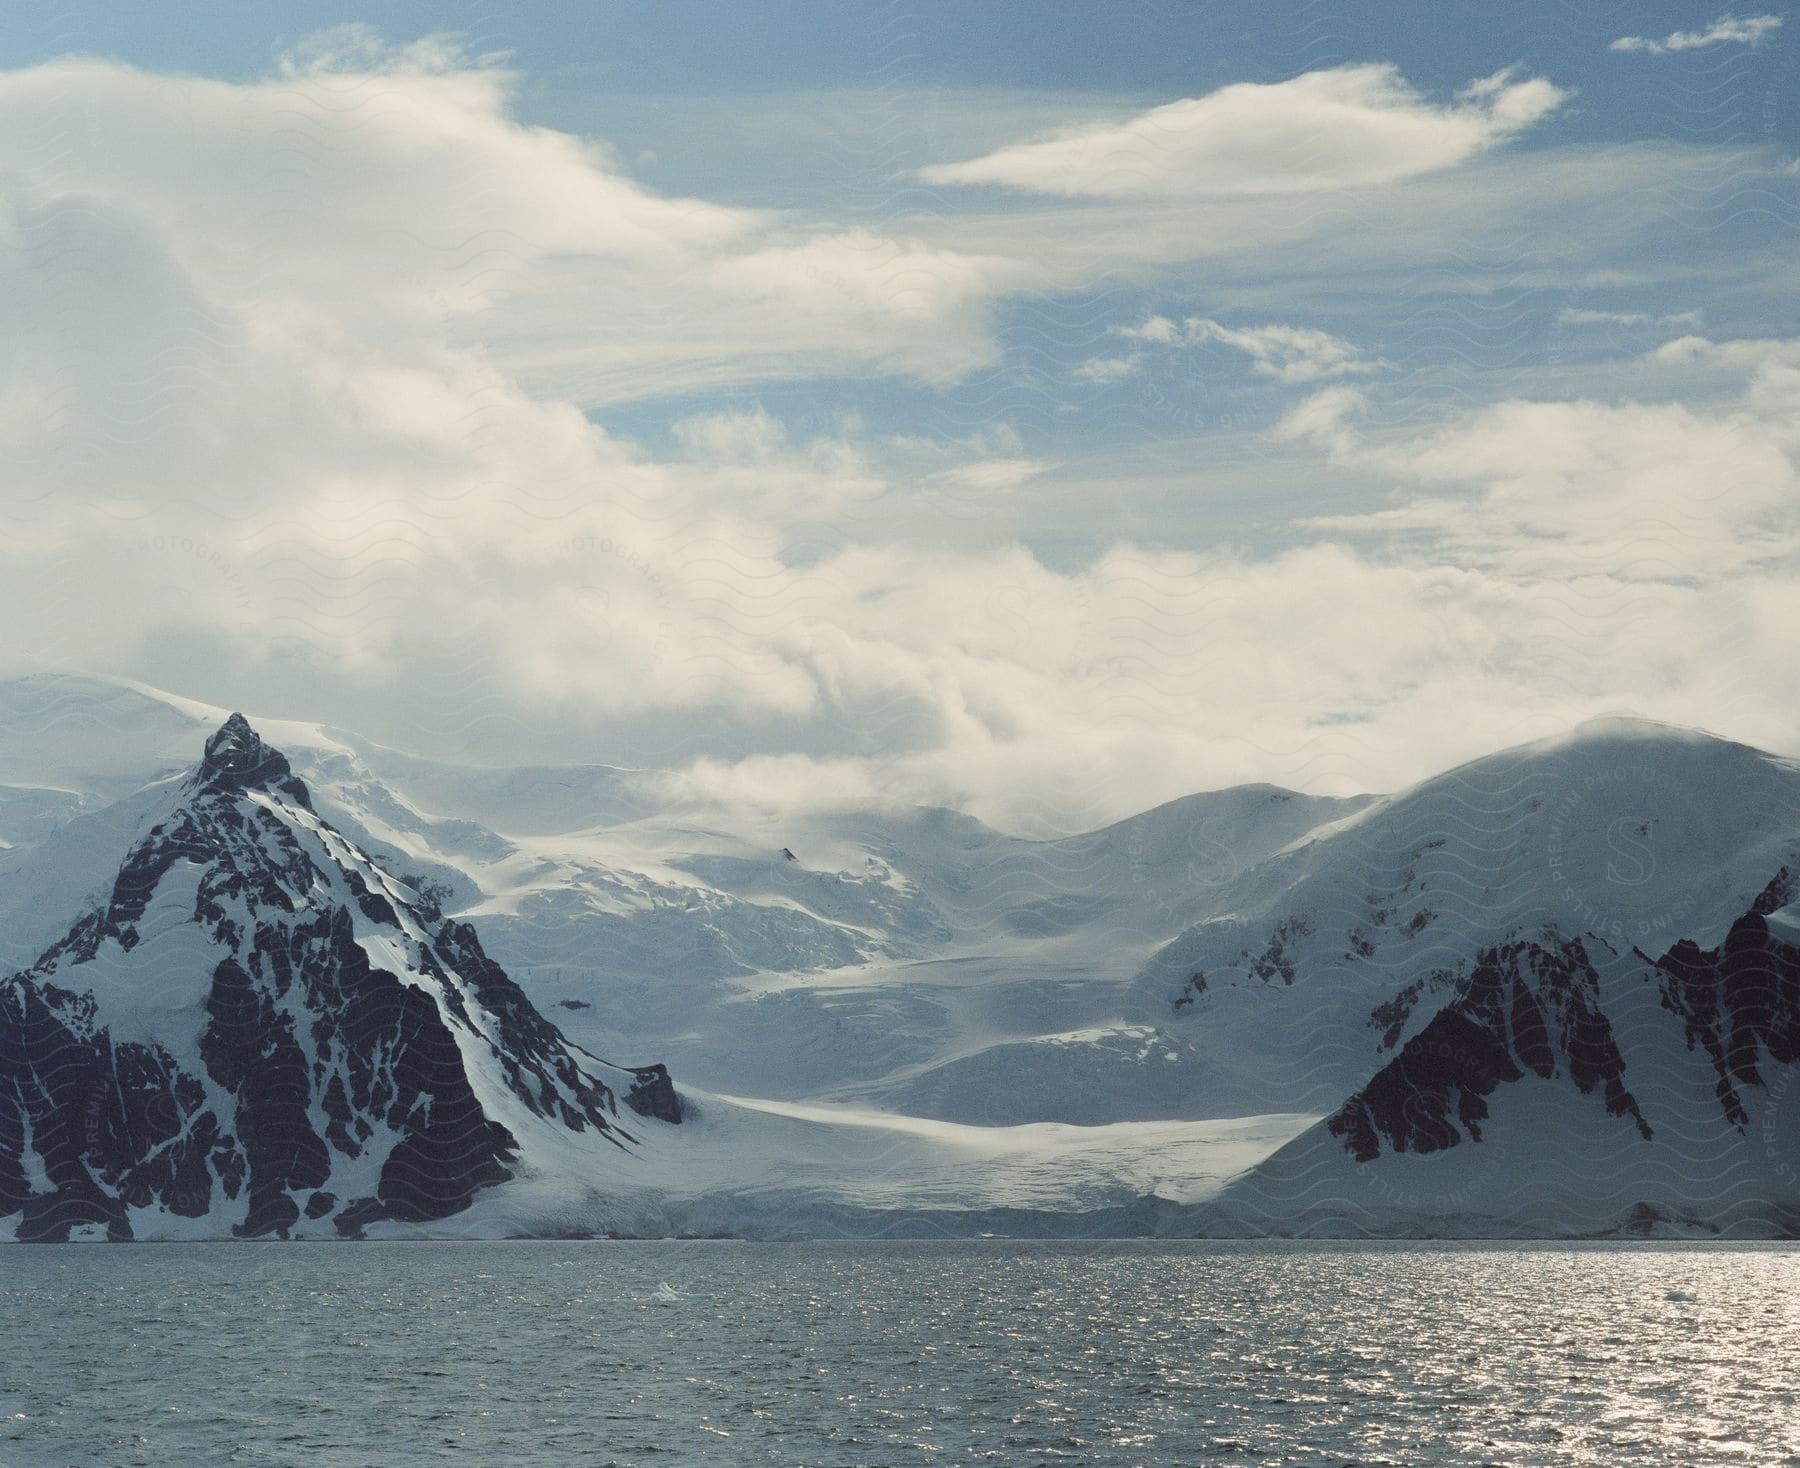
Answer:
(236, 748)
(236, 757)
(258, 1033)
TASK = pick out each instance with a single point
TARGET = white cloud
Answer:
(1581, 316)
(296, 183)
(394, 187)
(1633, 492)
(993, 474)
(860, 297)
(441, 536)
(355, 47)
(1346, 127)
(1737, 356)
(1726, 30)
(1291, 354)
(1260, 256)
(747, 459)
(1324, 419)
(1157, 329)
(743, 435)
(292, 405)
(1104, 370)
(1542, 562)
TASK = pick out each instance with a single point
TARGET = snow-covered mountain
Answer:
(1550, 991)
(1560, 1087)
(259, 1029)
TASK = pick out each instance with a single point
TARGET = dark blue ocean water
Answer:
(869, 1353)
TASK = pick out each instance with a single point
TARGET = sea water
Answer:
(876, 1353)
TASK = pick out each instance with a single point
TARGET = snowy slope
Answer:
(1665, 1099)
(1551, 991)
(1313, 964)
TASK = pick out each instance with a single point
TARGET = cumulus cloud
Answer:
(1635, 492)
(1727, 30)
(1345, 127)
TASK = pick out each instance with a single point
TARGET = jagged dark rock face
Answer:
(1525, 1008)
(300, 1058)
(1739, 999)
(235, 758)
(1534, 1008)
(105, 1124)
(652, 1094)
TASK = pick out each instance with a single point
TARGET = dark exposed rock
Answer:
(1275, 961)
(1525, 1008)
(250, 1050)
(1739, 999)
(652, 1094)
(235, 758)
(1391, 1015)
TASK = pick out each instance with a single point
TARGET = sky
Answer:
(1044, 410)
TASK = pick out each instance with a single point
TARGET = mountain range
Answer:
(279, 980)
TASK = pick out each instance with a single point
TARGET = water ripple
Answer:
(864, 1353)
